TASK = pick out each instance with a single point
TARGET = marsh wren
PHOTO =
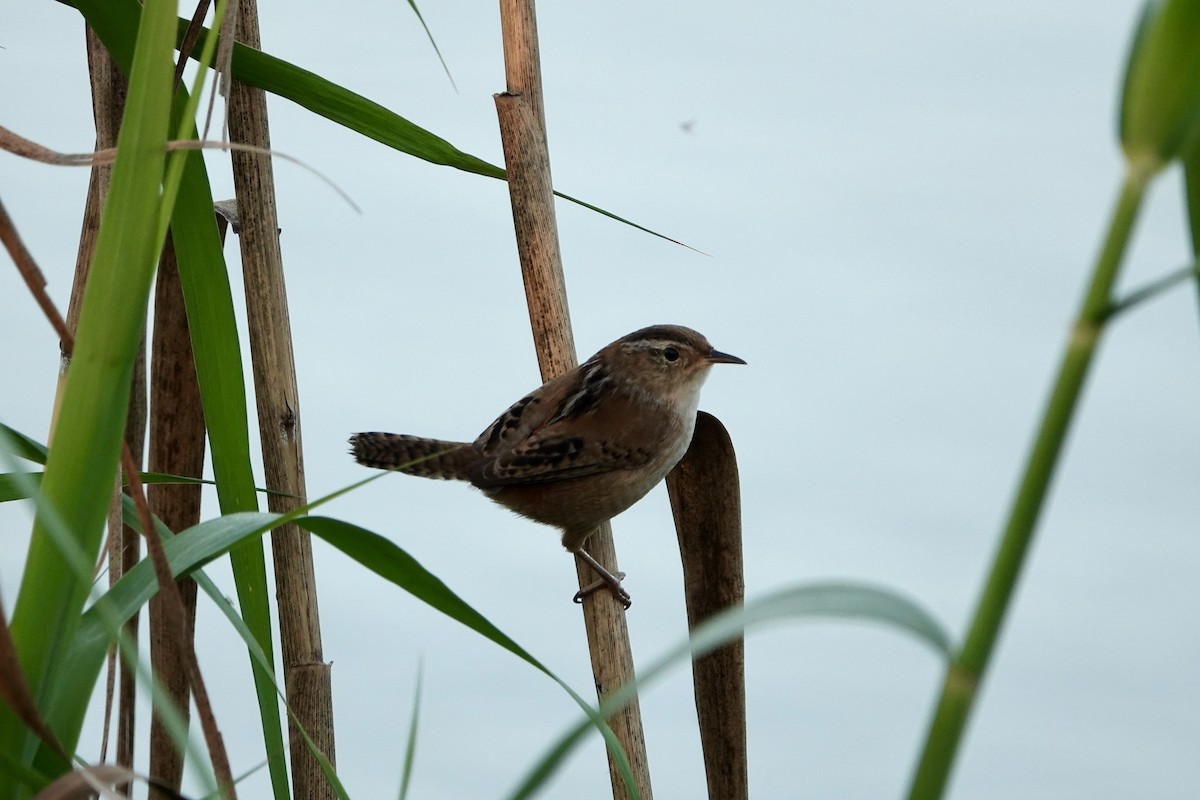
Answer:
(582, 448)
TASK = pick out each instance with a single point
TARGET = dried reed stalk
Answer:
(706, 503)
(527, 159)
(306, 675)
(176, 448)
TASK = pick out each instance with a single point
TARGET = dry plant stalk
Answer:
(109, 87)
(706, 503)
(527, 160)
(124, 551)
(176, 448)
(306, 675)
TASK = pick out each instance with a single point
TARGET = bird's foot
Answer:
(606, 579)
(614, 586)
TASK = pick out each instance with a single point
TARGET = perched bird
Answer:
(585, 446)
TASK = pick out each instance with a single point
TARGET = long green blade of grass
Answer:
(799, 603)
(1191, 193)
(47, 761)
(410, 747)
(199, 545)
(82, 464)
(194, 548)
(23, 446)
(208, 298)
(216, 347)
(115, 20)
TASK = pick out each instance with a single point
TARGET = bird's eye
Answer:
(671, 354)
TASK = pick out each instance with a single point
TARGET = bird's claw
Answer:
(615, 587)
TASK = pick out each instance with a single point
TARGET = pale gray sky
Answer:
(901, 202)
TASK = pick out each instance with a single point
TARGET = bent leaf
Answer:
(812, 601)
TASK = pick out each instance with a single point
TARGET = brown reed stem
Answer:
(706, 502)
(176, 448)
(526, 154)
(306, 675)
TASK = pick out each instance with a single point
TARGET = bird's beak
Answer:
(717, 357)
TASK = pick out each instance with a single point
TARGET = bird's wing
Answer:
(555, 456)
(571, 394)
(575, 445)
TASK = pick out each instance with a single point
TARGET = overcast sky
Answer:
(900, 203)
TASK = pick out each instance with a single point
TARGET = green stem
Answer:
(965, 673)
(1153, 289)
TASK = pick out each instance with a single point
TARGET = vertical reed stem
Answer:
(177, 448)
(527, 158)
(306, 674)
(966, 672)
(707, 505)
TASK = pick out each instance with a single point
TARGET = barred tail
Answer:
(433, 458)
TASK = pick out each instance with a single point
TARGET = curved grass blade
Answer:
(20, 774)
(217, 352)
(81, 466)
(1191, 187)
(813, 601)
(49, 761)
(429, 35)
(410, 748)
(1191, 191)
(219, 373)
(22, 446)
(192, 549)
(186, 552)
(390, 562)
(14, 692)
(114, 21)
(216, 347)
(275, 755)
(19, 485)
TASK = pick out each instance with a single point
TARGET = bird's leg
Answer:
(613, 582)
